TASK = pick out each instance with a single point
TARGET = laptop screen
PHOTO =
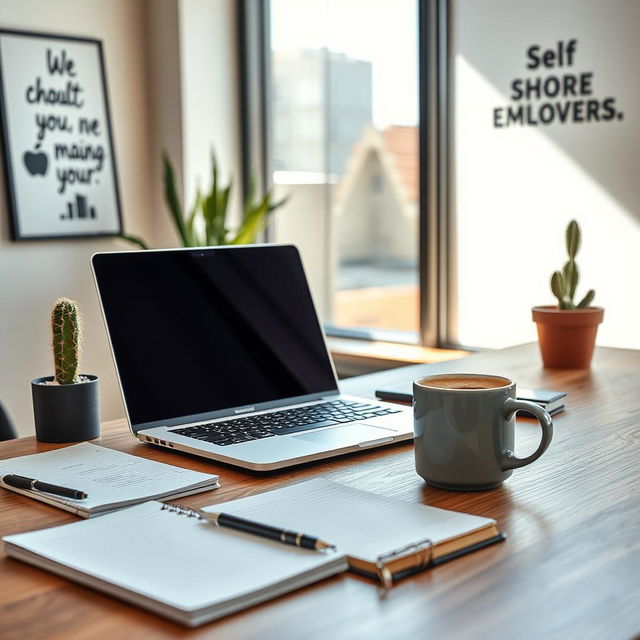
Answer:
(201, 332)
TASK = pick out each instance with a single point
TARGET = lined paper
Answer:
(359, 523)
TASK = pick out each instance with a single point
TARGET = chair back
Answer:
(7, 431)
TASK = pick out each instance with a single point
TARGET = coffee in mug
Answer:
(464, 429)
(465, 382)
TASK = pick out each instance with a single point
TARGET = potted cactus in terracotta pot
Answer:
(567, 332)
(66, 405)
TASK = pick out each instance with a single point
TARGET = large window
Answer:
(344, 139)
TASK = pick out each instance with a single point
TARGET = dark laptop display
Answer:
(206, 331)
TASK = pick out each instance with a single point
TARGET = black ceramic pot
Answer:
(66, 412)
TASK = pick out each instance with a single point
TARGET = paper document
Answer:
(110, 478)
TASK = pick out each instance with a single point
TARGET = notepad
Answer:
(112, 479)
(191, 572)
(366, 527)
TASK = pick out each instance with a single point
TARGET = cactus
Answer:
(564, 283)
(65, 340)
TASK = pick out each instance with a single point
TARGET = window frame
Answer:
(436, 264)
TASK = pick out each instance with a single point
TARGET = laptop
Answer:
(220, 353)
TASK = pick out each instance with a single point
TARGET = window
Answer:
(358, 155)
(344, 129)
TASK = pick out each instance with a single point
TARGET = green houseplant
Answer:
(66, 405)
(206, 222)
(567, 332)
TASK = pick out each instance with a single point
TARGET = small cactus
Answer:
(564, 283)
(65, 340)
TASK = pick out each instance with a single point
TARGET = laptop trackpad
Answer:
(345, 436)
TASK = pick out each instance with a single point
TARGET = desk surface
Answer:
(570, 567)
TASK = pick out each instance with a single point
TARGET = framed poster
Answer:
(58, 150)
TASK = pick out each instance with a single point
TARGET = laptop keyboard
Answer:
(265, 425)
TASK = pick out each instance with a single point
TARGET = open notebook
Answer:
(192, 572)
(112, 479)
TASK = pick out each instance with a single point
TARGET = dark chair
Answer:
(7, 432)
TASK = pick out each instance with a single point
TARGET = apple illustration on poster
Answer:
(36, 163)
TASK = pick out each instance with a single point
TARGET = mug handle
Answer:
(509, 458)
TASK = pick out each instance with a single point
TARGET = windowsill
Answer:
(357, 357)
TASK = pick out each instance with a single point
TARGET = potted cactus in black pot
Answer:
(567, 332)
(66, 405)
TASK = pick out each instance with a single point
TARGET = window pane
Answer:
(345, 147)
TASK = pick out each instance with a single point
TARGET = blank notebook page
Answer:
(359, 523)
(184, 562)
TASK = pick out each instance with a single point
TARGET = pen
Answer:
(255, 528)
(20, 482)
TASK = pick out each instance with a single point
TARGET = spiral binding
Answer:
(182, 510)
(422, 549)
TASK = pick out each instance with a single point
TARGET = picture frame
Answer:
(57, 141)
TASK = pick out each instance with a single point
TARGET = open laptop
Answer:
(220, 353)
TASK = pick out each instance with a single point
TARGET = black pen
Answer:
(20, 482)
(256, 528)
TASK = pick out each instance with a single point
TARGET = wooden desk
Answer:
(569, 569)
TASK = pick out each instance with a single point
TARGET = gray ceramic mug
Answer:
(464, 430)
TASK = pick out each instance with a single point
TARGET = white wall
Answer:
(153, 49)
(165, 114)
(193, 67)
(210, 72)
(517, 187)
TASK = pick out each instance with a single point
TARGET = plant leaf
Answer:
(208, 215)
(173, 201)
(566, 303)
(571, 277)
(280, 203)
(573, 238)
(192, 217)
(557, 285)
(253, 223)
(586, 301)
(134, 240)
(222, 203)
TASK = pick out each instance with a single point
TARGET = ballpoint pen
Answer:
(30, 484)
(256, 528)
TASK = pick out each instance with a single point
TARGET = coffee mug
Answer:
(464, 430)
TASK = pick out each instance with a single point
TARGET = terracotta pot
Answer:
(567, 336)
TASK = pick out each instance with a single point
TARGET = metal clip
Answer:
(421, 549)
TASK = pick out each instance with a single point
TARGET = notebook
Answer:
(112, 479)
(192, 572)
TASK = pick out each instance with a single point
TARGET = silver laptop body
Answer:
(219, 352)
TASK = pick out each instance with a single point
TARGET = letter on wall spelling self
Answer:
(61, 177)
(556, 94)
